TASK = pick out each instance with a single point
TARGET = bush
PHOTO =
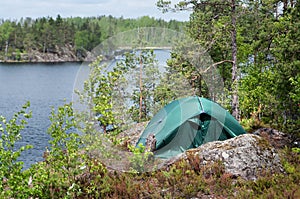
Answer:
(13, 182)
(68, 172)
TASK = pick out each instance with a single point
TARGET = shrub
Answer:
(13, 182)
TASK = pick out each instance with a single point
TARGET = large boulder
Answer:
(247, 156)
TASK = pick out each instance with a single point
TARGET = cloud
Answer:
(15, 9)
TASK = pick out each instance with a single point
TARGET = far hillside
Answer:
(30, 39)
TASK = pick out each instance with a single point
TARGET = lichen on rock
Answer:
(246, 156)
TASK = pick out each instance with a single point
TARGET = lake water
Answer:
(45, 86)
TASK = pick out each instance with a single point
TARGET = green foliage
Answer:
(5, 31)
(267, 46)
(296, 150)
(47, 34)
(98, 94)
(268, 56)
(67, 171)
(288, 167)
(56, 176)
(81, 39)
(62, 122)
(295, 93)
(13, 182)
(269, 86)
(140, 158)
(143, 66)
(183, 77)
(62, 173)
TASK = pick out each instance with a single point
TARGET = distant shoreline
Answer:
(38, 62)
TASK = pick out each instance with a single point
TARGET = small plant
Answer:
(13, 182)
(296, 150)
(140, 158)
(56, 177)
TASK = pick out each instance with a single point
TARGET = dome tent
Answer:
(188, 123)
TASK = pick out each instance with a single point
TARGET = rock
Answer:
(224, 155)
(132, 134)
(151, 143)
(89, 56)
(64, 53)
(276, 138)
(246, 156)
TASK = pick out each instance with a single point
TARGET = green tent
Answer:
(188, 123)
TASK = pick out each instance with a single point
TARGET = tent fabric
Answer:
(188, 123)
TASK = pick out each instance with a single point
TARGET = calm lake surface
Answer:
(45, 86)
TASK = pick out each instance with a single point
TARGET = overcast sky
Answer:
(15, 9)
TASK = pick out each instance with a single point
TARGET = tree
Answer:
(211, 22)
(60, 31)
(99, 95)
(47, 34)
(286, 65)
(178, 81)
(144, 67)
(269, 83)
(5, 32)
(81, 42)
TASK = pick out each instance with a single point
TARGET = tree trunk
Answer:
(285, 5)
(44, 48)
(141, 89)
(235, 99)
(6, 50)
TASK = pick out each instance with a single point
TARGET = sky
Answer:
(15, 9)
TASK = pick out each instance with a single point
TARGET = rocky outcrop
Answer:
(66, 53)
(132, 134)
(247, 156)
(58, 54)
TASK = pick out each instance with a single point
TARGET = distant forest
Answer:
(46, 34)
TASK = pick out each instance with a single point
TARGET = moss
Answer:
(262, 143)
